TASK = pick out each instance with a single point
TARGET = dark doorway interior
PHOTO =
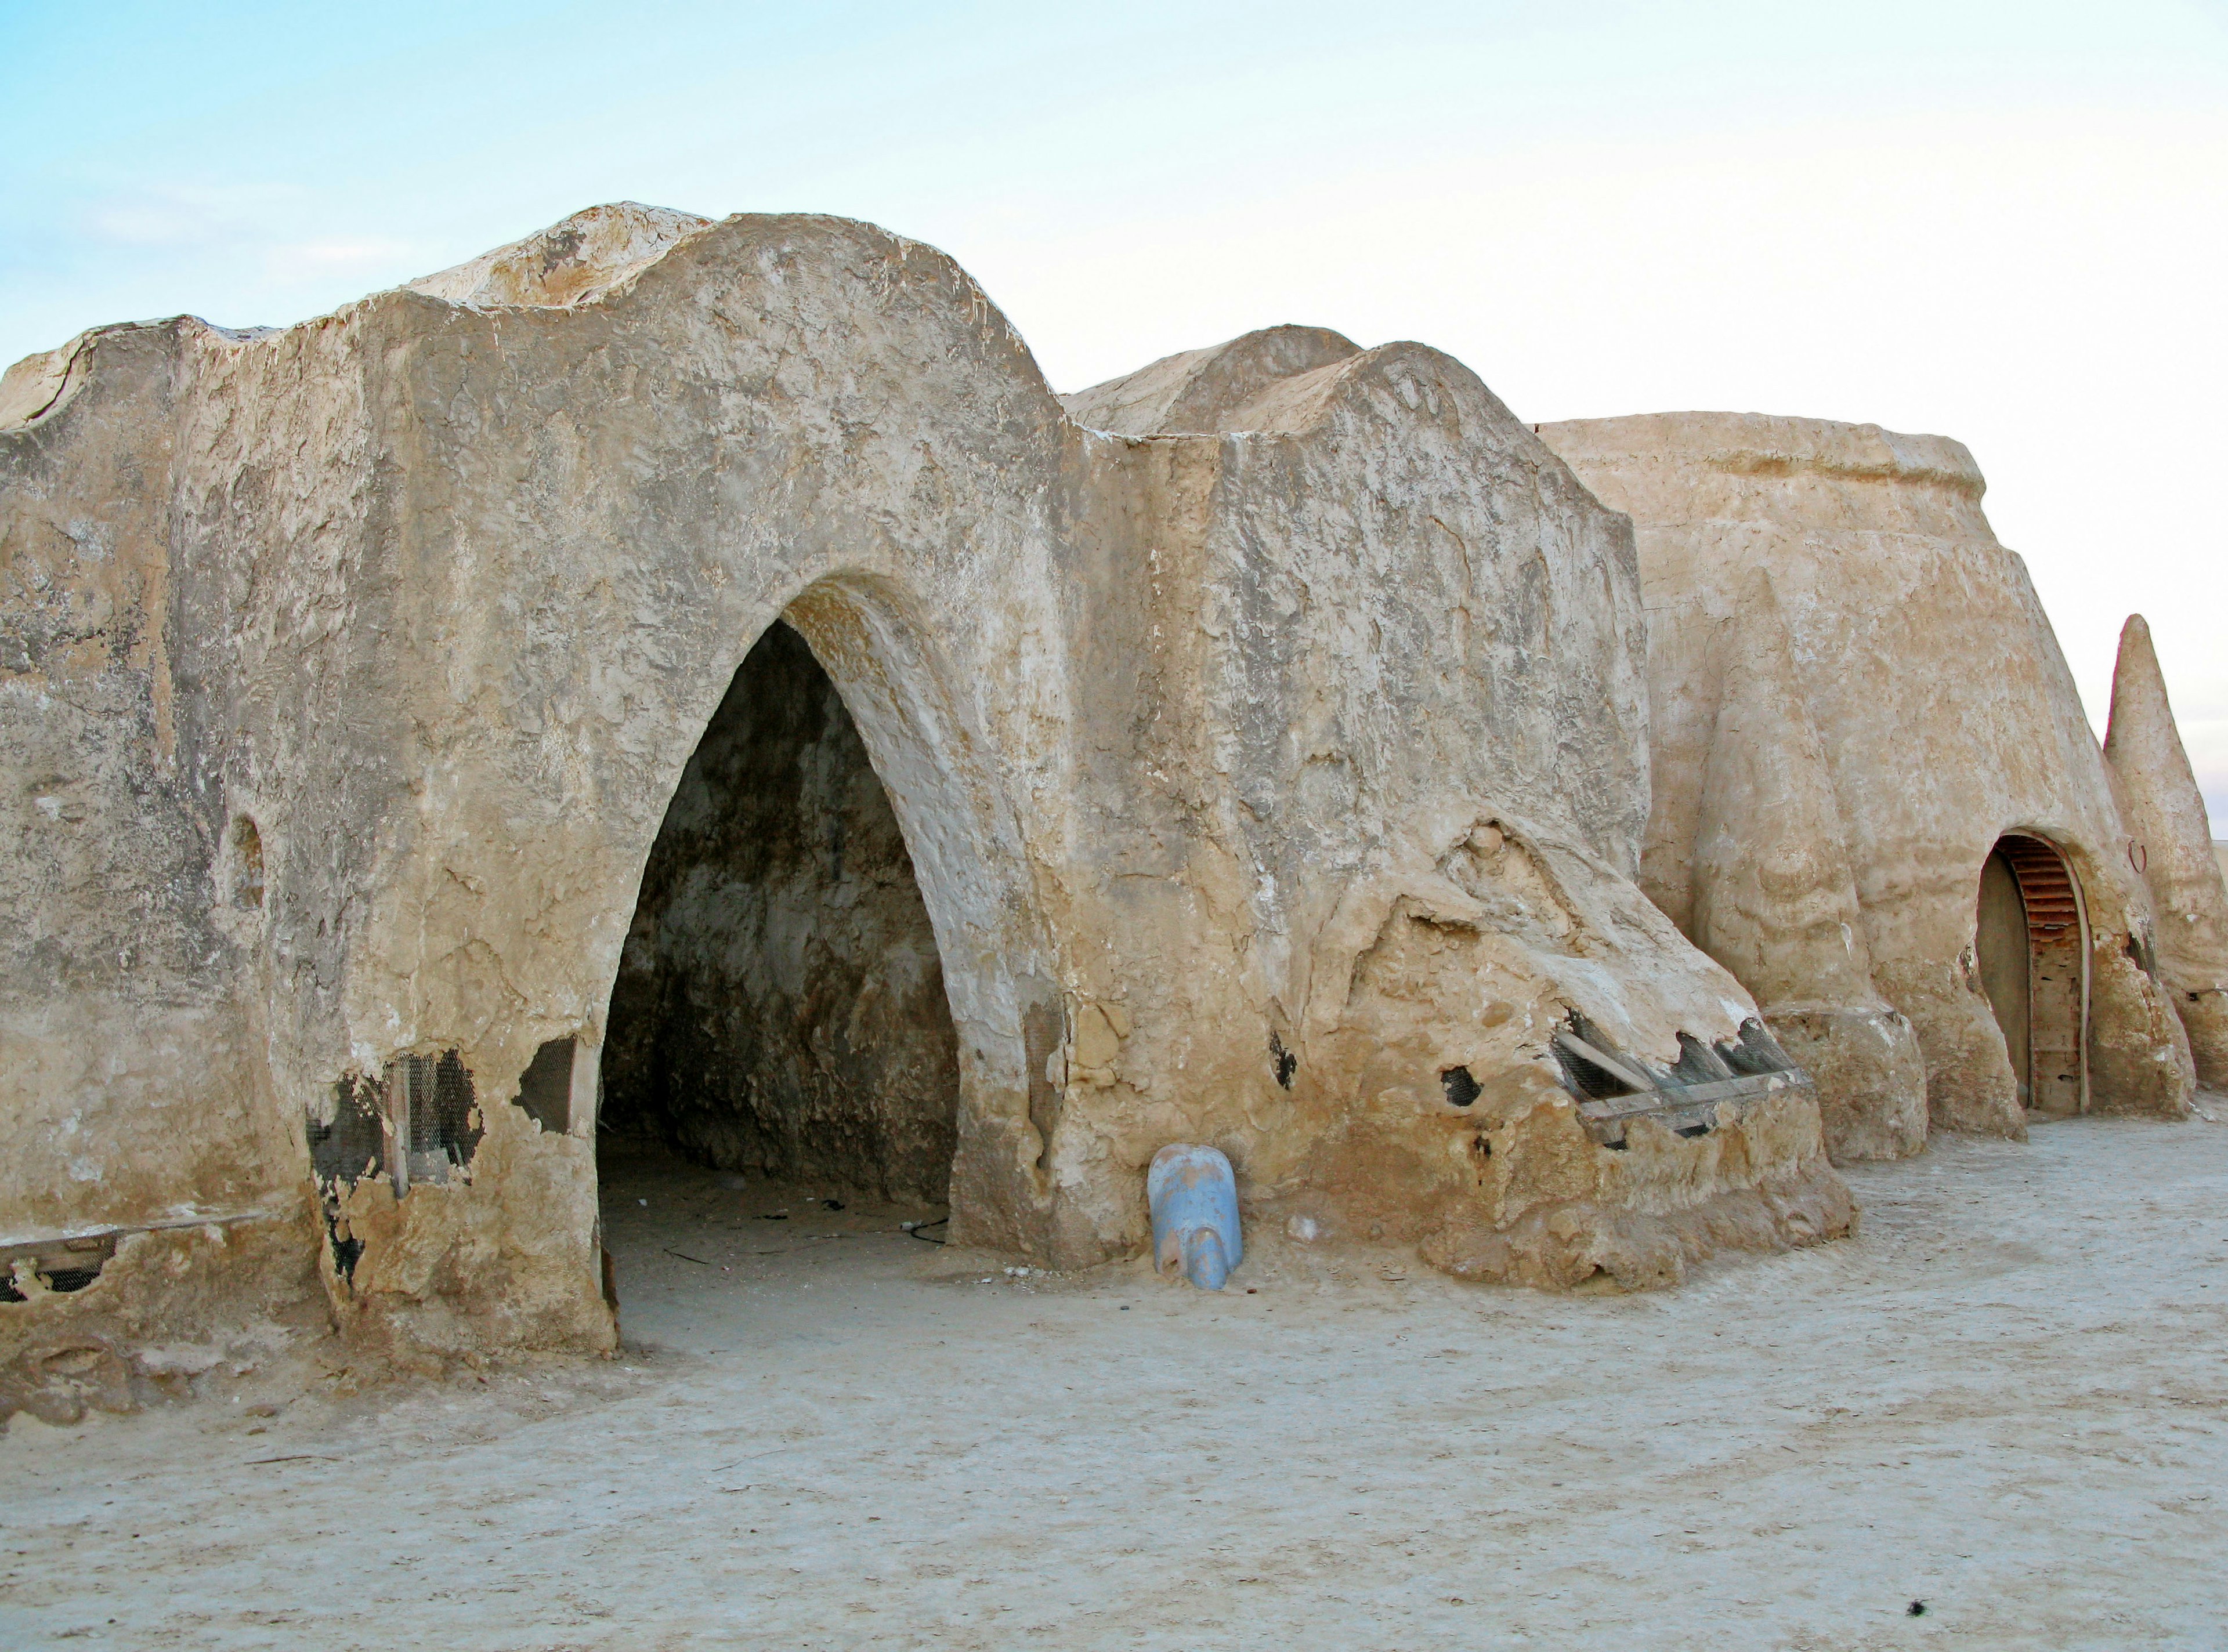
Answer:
(779, 1010)
(2030, 941)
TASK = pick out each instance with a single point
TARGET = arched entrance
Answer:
(2030, 936)
(778, 1028)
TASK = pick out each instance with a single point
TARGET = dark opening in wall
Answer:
(1757, 1053)
(1585, 1071)
(2138, 954)
(545, 1090)
(58, 1264)
(779, 1006)
(247, 863)
(416, 1123)
(353, 1145)
(1698, 1063)
(345, 1149)
(1615, 1087)
(434, 1094)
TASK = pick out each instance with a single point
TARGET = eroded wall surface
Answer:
(395, 611)
(1388, 789)
(127, 1036)
(1947, 715)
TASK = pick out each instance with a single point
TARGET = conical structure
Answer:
(1776, 901)
(2170, 843)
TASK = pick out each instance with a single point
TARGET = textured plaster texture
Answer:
(1258, 761)
(1915, 708)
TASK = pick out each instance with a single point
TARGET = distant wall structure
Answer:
(1266, 735)
(1857, 707)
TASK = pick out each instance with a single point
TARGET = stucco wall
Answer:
(131, 1076)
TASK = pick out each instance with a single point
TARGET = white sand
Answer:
(2008, 1399)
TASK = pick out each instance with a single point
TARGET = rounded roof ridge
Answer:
(1763, 444)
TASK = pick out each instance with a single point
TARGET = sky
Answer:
(2004, 222)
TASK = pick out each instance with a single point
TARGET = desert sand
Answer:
(2007, 1399)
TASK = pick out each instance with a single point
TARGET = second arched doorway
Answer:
(2031, 937)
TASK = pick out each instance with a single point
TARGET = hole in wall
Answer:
(247, 863)
(343, 1150)
(544, 1089)
(418, 1122)
(1755, 1053)
(1461, 1087)
(1698, 1063)
(1614, 1087)
(62, 1266)
(434, 1094)
(1582, 1074)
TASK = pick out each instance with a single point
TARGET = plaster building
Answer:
(1876, 797)
(694, 683)
(694, 678)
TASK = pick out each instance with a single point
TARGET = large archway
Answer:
(2031, 939)
(780, 1014)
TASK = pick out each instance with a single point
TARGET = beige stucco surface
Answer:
(1945, 715)
(1253, 778)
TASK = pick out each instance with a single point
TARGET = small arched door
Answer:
(2032, 942)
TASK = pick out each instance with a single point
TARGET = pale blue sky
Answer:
(2001, 221)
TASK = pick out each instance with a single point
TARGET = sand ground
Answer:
(2007, 1400)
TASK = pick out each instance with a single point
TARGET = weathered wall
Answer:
(403, 621)
(780, 1006)
(1946, 710)
(130, 1076)
(1251, 778)
(1407, 722)
(1774, 897)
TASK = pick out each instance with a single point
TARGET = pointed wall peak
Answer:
(2170, 843)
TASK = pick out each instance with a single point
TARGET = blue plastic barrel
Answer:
(1194, 1197)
